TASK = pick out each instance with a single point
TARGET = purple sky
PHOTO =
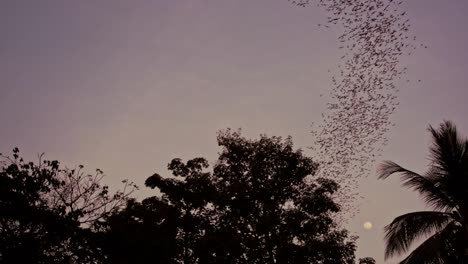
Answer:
(126, 86)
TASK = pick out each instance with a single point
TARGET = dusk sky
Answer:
(125, 86)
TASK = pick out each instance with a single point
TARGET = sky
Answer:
(125, 86)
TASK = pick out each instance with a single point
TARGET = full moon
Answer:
(367, 225)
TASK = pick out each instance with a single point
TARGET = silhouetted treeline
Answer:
(258, 203)
(48, 213)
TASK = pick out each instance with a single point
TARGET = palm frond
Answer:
(431, 250)
(405, 229)
(432, 194)
(448, 147)
(449, 161)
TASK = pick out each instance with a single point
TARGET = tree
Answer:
(444, 187)
(260, 204)
(47, 212)
(140, 233)
(366, 260)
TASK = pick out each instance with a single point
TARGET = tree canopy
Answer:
(47, 211)
(259, 204)
(366, 260)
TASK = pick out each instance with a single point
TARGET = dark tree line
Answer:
(47, 212)
(258, 203)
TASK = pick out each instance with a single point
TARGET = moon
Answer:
(367, 225)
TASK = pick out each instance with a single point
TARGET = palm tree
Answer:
(444, 188)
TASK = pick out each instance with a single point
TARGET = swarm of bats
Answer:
(352, 132)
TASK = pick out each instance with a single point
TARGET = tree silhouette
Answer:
(260, 204)
(444, 187)
(141, 233)
(366, 260)
(46, 212)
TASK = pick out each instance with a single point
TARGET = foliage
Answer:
(259, 204)
(46, 212)
(367, 260)
(444, 187)
(141, 233)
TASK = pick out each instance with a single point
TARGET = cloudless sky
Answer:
(125, 86)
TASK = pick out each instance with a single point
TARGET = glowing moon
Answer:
(367, 225)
